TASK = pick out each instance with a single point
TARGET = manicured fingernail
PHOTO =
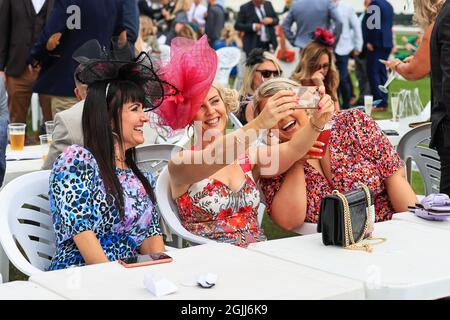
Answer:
(322, 144)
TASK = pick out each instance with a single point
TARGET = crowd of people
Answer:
(101, 81)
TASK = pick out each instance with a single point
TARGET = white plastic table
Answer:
(242, 274)
(410, 217)
(412, 264)
(17, 168)
(26, 290)
(401, 126)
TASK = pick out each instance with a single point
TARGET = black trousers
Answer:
(444, 154)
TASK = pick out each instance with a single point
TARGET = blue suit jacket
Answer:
(100, 19)
(380, 38)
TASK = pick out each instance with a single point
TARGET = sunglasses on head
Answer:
(270, 73)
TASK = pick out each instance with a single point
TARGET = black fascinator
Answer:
(255, 56)
(118, 64)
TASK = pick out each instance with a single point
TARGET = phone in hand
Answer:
(145, 260)
(308, 97)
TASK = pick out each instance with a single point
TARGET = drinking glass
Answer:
(17, 136)
(49, 126)
(395, 99)
(368, 104)
(46, 140)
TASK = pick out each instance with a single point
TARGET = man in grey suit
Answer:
(308, 15)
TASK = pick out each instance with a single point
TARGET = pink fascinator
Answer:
(192, 68)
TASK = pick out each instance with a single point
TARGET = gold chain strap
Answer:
(348, 229)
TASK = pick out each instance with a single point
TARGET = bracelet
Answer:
(316, 128)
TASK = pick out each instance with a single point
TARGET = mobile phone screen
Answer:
(147, 257)
(308, 97)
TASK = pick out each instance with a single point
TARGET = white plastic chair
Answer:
(234, 121)
(169, 211)
(25, 221)
(413, 146)
(165, 52)
(154, 157)
(228, 58)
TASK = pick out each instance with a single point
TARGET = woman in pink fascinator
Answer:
(214, 182)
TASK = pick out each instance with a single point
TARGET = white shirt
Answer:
(38, 4)
(197, 12)
(261, 13)
(351, 37)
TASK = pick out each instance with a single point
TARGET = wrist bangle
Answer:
(316, 128)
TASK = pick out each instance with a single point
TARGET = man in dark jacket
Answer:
(378, 39)
(71, 24)
(21, 22)
(215, 21)
(257, 19)
(440, 93)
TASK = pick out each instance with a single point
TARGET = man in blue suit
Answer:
(71, 24)
(377, 33)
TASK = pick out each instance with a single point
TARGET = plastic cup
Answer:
(368, 104)
(46, 140)
(17, 136)
(395, 99)
(49, 126)
(324, 137)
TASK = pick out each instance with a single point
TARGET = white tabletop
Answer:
(401, 126)
(411, 217)
(25, 290)
(242, 274)
(17, 168)
(412, 264)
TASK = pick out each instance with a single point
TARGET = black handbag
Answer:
(347, 219)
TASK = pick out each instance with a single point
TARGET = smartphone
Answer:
(390, 132)
(308, 97)
(145, 260)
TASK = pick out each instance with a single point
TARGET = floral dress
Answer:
(212, 210)
(79, 202)
(359, 152)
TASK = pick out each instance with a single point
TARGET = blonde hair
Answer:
(230, 97)
(187, 32)
(270, 88)
(249, 73)
(426, 11)
(309, 59)
(147, 28)
(182, 5)
(228, 34)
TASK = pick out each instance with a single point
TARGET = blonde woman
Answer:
(179, 18)
(260, 66)
(147, 39)
(357, 151)
(214, 183)
(317, 68)
(418, 65)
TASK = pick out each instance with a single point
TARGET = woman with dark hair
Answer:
(317, 67)
(102, 204)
